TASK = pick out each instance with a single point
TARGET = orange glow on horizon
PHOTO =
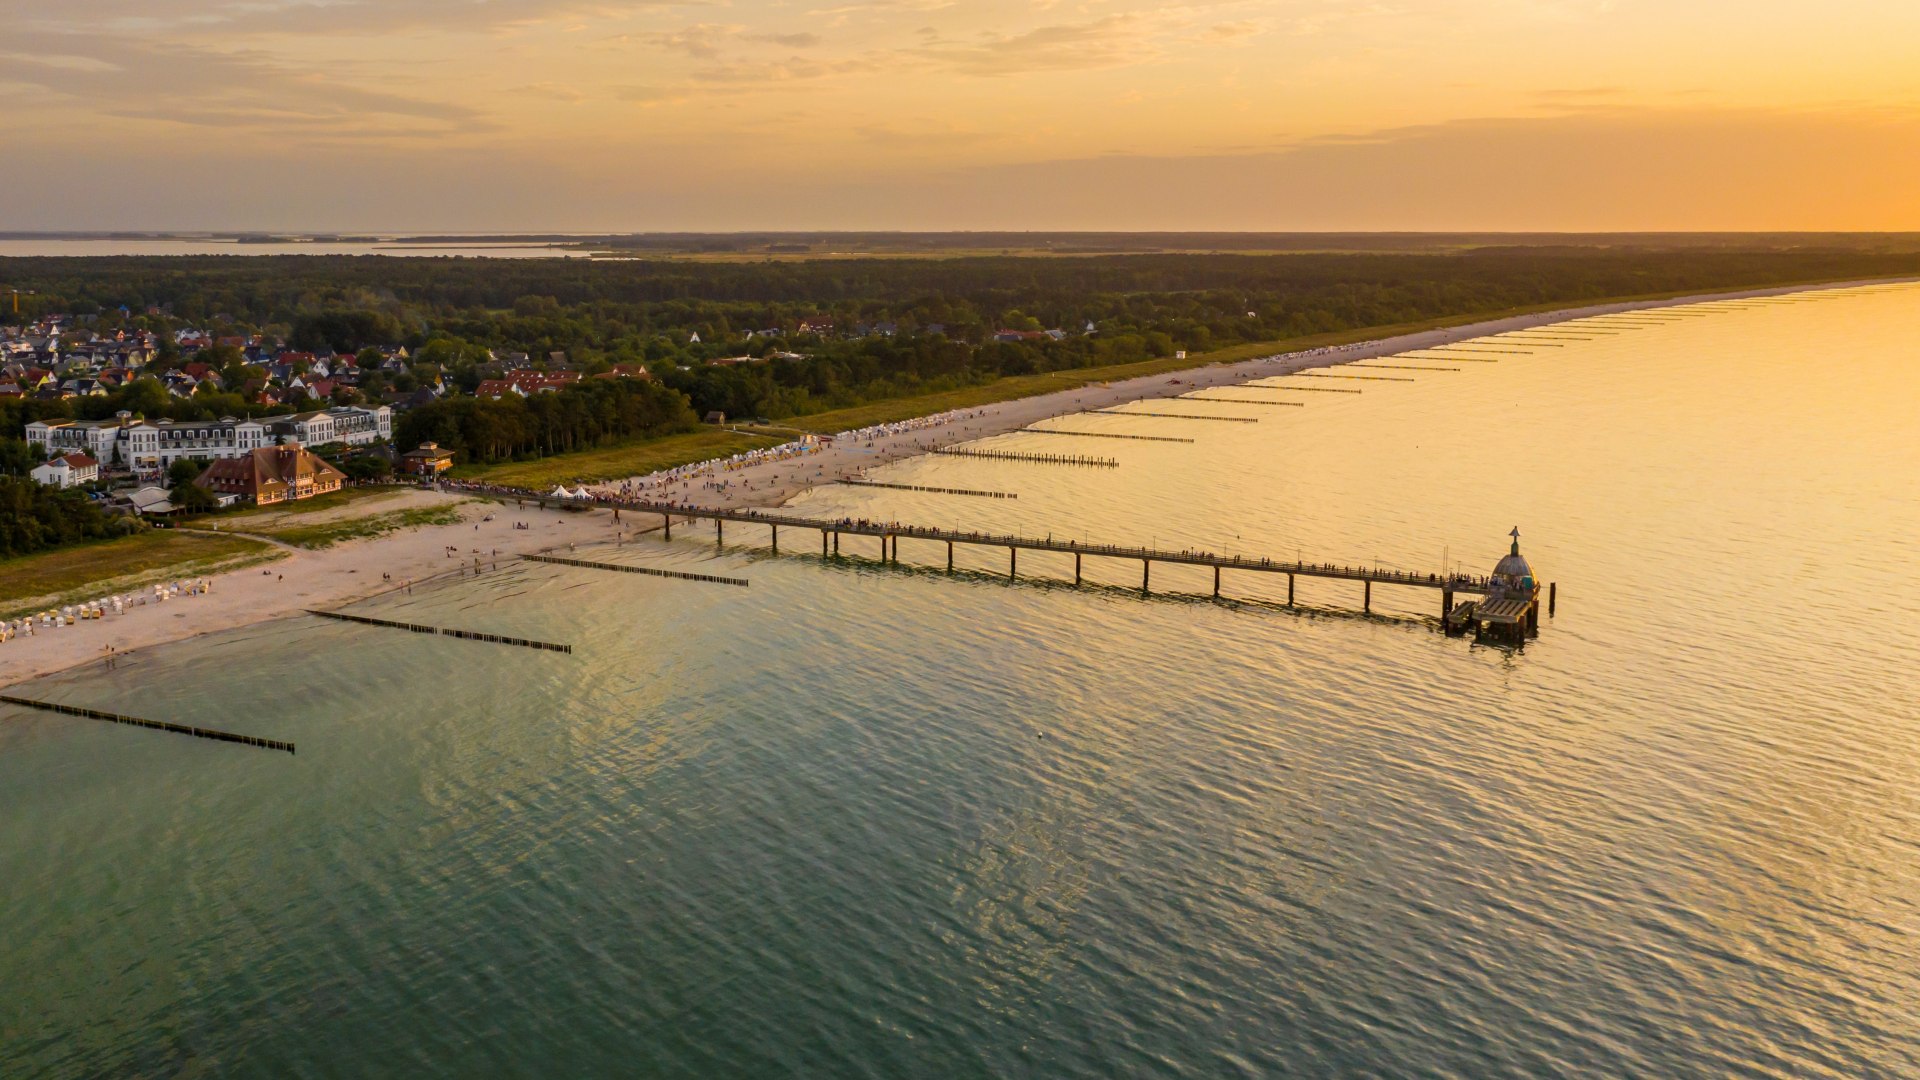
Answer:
(929, 114)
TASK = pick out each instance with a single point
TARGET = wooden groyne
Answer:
(1037, 459)
(935, 490)
(1400, 367)
(1476, 349)
(158, 725)
(1300, 389)
(1104, 435)
(1450, 358)
(1179, 416)
(1363, 378)
(646, 570)
(1244, 401)
(419, 628)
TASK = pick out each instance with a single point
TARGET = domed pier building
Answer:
(1511, 608)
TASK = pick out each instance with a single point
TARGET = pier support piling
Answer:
(1367, 603)
(1553, 597)
(949, 556)
(1146, 574)
(1076, 568)
(1216, 583)
(776, 539)
(666, 523)
(1013, 563)
(1289, 590)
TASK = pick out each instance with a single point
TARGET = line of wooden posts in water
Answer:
(1036, 459)
(1178, 416)
(934, 490)
(1243, 401)
(646, 571)
(1104, 435)
(421, 628)
(890, 534)
(158, 725)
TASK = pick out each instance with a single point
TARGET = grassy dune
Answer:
(616, 462)
(37, 582)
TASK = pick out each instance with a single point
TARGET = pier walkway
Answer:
(890, 533)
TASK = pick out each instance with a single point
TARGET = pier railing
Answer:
(1451, 583)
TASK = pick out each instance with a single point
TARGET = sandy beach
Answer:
(354, 571)
(773, 483)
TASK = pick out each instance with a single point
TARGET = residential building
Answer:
(68, 471)
(272, 474)
(149, 448)
(349, 425)
(430, 460)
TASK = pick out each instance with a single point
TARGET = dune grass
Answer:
(35, 583)
(616, 462)
(319, 534)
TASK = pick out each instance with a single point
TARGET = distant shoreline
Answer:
(351, 572)
(777, 482)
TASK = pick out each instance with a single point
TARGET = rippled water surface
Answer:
(857, 820)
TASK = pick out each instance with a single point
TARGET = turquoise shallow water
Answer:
(857, 820)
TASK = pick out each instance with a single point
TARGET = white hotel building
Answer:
(149, 448)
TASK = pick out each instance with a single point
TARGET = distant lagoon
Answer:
(493, 248)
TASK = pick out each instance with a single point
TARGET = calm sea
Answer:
(865, 821)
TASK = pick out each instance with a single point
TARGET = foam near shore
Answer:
(357, 570)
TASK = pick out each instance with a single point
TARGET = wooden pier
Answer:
(158, 725)
(890, 534)
(419, 628)
(1037, 459)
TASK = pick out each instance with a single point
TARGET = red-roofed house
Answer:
(272, 474)
(495, 389)
(68, 471)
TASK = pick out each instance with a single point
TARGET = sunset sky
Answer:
(814, 114)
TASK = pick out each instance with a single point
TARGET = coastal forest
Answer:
(821, 333)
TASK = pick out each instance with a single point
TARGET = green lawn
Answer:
(35, 583)
(615, 462)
